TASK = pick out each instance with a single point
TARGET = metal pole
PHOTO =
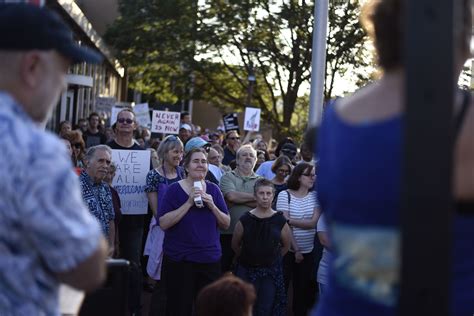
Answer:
(426, 193)
(318, 62)
(251, 80)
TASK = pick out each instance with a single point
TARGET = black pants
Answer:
(184, 280)
(304, 284)
(130, 236)
(158, 298)
(227, 253)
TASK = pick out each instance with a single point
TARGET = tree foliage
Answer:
(169, 44)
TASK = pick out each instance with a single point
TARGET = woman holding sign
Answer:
(170, 153)
(191, 213)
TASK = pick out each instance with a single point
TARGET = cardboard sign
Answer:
(165, 122)
(104, 104)
(142, 114)
(252, 119)
(231, 122)
(130, 179)
(113, 115)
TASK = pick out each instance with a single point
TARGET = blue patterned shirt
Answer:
(98, 198)
(45, 226)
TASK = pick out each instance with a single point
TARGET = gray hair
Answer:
(247, 146)
(168, 143)
(90, 153)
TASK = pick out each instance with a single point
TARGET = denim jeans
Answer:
(265, 289)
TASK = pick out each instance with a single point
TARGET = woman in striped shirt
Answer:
(300, 206)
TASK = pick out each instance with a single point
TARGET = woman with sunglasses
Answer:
(78, 148)
(301, 208)
(191, 214)
(170, 153)
(281, 168)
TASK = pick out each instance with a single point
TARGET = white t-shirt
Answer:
(216, 171)
(300, 208)
(323, 274)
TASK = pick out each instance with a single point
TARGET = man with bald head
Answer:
(47, 235)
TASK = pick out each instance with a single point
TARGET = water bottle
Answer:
(198, 199)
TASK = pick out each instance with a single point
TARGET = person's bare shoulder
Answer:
(375, 102)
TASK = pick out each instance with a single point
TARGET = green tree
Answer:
(220, 41)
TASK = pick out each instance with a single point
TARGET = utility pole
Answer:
(318, 62)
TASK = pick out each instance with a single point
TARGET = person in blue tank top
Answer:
(359, 181)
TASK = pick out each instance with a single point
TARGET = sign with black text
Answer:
(104, 104)
(231, 122)
(165, 122)
(130, 179)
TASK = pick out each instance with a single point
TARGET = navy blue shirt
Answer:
(228, 156)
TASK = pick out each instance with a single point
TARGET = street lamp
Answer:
(251, 75)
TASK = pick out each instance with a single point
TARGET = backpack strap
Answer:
(458, 122)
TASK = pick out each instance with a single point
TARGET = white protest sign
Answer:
(165, 122)
(130, 179)
(142, 114)
(113, 115)
(252, 119)
(104, 104)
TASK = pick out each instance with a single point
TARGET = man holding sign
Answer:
(131, 226)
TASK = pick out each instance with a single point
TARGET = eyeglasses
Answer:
(283, 171)
(312, 175)
(122, 120)
(77, 145)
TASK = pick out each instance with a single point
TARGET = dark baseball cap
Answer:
(27, 27)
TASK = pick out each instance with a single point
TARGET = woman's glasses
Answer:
(123, 120)
(312, 175)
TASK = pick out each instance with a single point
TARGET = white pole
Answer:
(318, 62)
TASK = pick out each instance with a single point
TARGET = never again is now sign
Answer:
(165, 122)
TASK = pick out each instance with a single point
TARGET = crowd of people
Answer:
(257, 218)
(286, 227)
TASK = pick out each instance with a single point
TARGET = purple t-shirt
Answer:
(195, 237)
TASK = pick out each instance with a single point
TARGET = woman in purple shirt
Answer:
(191, 247)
